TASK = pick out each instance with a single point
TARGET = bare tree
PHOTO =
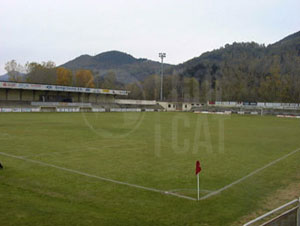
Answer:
(14, 71)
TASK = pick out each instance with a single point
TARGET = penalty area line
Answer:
(249, 175)
(97, 177)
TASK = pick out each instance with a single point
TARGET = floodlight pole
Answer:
(161, 55)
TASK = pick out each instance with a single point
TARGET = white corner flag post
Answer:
(198, 187)
(198, 170)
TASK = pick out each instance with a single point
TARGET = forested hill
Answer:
(126, 67)
(289, 39)
(249, 71)
(104, 60)
(243, 54)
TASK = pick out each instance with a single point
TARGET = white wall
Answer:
(135, 102)
(168, 106)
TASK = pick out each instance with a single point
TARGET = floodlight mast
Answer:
(161, 55)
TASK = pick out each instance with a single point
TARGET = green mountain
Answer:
(126, 67)
(249, 57)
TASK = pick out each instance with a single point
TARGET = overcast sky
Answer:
(60, 30)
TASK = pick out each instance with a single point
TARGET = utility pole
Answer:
(161, 55)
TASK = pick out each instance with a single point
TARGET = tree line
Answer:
(48, 73)
(230, 83)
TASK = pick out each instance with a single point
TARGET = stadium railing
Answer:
(288, 215)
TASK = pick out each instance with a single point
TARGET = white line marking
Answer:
(249, 175)
(97, 177)
(66, 152)
(179, 195)
(50, 153)
(190, 189)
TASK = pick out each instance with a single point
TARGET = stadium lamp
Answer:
(161, 55)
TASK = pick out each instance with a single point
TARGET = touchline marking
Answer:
(50, 153)
(249, 175)
(97, 177)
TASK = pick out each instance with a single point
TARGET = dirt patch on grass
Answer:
(280, 197)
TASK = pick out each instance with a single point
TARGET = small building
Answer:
(178, 106)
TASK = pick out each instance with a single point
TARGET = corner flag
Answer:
(198, 167)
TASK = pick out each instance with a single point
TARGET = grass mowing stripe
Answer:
(249, 175)
(97, 177)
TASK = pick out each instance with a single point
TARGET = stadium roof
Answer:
(57, 88)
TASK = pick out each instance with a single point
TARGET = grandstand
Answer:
(26, 97)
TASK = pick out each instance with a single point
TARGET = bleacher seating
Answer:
(14, 104)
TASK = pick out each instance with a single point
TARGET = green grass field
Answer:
(54, 165)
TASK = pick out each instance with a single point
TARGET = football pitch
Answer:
(139, 168)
